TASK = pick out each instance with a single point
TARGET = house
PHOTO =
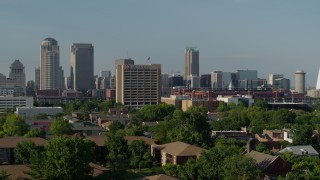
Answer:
(19, 171)
(270, 166)
(305, 150)
(275, 135)
(175, 152)
(8, 144)
(160, 177)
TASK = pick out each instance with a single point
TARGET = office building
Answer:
(272, 78)
(247, 79)
(175, 81)
(106, 74)
(281, 83)
(10, 102)
(37, 78)
(205, 81)
(137, 85)
(318, 80)
(300, 81)
(81, 61)
(50, 69)
(16, 83)
(194, 82)
(165, 85)
(223, 80)
(191, 63)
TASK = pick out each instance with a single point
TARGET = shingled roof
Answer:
(262, 160)
(11, 142)
(180, 149)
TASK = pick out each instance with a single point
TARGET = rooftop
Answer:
(11, 142)
(159, 177)
(262, 160)
(300, 150)
(180, 149)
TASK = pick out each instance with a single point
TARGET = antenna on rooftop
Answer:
(148, 59)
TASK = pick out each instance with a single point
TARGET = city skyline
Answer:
(277, 37)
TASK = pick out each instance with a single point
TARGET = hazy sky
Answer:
(271, 36)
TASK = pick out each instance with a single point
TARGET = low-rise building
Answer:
(33, 111)
(305, 150)
(175, 152)
(248, 100)
(10, 102)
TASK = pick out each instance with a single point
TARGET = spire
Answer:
(318, 80)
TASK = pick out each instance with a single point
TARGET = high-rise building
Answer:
(137, 85)
(16, 83)
(106, 74)
(318, 80)
(223, 80)
(247, 79)
(191, 62)
(205, 81)
(81, 61)
(281, 83)
(165, 85)
(272, 78)
(300, 81)
(50, 70)
(37, 78)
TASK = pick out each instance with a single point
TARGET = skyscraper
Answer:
(318, 80)
(81, 72)
(300, 81)
(137, 85)
(16, 83)
(191, 63)
(50, 70)
(37, 78)
(17, 73)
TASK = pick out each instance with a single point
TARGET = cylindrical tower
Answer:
(300, 81)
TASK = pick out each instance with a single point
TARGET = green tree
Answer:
(25, 151)
(240, 167)
(261, 104)
(35, 133)
(115, 126)
(189, 171)
(305, 168)
(222, 107)
(15, 126)
(171, 169)
(137, 150)
(59, 127)
(155, 112)
(64, 158)
(302, 134)
(117, 149)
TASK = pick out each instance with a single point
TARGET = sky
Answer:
(271, 36)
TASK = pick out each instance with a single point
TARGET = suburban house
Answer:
(273, 138)
(175, 152)
(305, 150)
(19, 171)
(270, 166)
(8, 144)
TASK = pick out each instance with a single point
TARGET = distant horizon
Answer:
(272, 37)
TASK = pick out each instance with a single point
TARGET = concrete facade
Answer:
(191, 64)
(137, 85)
(9, 102)
(300, 81)
(82, 72)
(50, 69)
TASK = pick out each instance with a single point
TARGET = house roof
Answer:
(16, 171)
(160, 177)
(262, 160)
(180, 149)
(11, 142)
(100, 140)
(300, 150)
